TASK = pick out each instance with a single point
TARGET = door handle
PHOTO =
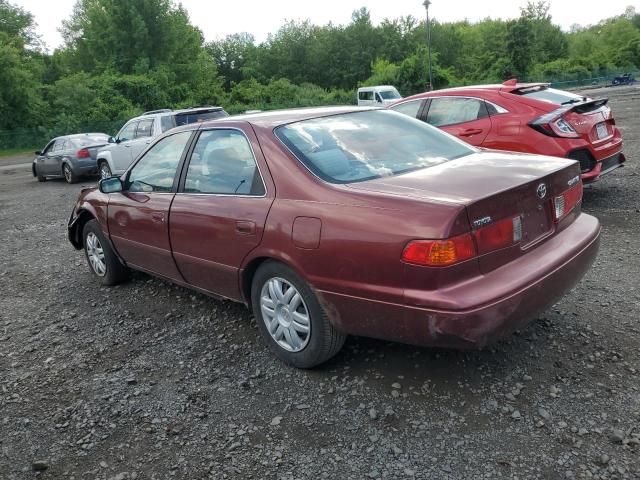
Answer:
(127, 145)
(470, 131)
(245, 227)
(157, 217)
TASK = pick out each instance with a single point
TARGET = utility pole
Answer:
(426, 4)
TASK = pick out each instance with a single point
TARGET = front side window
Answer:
(156, 170)
(128, 132)
(390, 94)
(408, 108)
(58, 146)
(222, 162)
(145, 128)
(366, 95)
(450, 110)
(359, 146)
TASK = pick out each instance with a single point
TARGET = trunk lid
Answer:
(492, 186)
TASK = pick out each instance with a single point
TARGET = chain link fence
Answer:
(36, 138)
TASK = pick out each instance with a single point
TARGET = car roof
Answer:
(276, 118)
(497, 87)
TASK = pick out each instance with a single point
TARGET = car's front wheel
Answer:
(41, 178)
(291, 319)
(68, 174)
(105, 170)
(101, 258)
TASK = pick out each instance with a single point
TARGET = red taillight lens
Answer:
(84, 153)
(563, 204)
(439, 253)
(498, 235)
(554, 125)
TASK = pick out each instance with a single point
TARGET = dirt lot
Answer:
(148, 380)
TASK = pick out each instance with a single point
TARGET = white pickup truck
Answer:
(379, 95)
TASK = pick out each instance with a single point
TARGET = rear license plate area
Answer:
(602, 131)
(536, 222)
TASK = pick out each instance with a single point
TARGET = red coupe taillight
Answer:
(564, 203)
(84, 153)
(442, 253)
(554, 125)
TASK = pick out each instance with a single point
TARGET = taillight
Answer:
(554, 125)
(84, 153)
(564, 203)
(498, 235)
(440, 253)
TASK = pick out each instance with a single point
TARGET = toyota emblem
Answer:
(541, 191)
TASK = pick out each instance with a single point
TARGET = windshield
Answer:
(359, 146)
(390, 94)
(551, 95)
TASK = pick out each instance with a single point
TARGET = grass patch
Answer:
(16, 151)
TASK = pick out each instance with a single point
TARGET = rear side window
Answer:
(451, 110)
(359, 146)
(551, 95)
(409, 108)
(166, 123)
(199, 116)
(223, 163)
(145, 128)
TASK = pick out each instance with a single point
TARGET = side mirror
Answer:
(38, 152)
(110, 185)
(111, 140)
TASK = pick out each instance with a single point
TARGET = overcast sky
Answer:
(217, 18)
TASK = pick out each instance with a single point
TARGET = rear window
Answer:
(359, 146)
(198, 116)
(551, 95)
(80, 142)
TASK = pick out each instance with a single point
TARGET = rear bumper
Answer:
(494, 304)
(604, 166)
(89, 167)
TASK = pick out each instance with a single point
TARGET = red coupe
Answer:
(336, 221)
(525, 117)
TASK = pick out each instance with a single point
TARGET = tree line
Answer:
(121, 57)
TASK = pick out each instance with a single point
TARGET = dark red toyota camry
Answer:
(526, 117)
(336, 221)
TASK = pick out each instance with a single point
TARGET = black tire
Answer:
(114, 272)
(41, 178)
(104, 170)
(67, 173)
(324, 340)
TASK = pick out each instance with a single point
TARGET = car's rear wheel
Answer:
(101, 258)
(68, 174)
(105, 170)
(291, 319)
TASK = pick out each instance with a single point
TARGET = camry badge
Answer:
(573, 180)
(541, 191)
(481, 222)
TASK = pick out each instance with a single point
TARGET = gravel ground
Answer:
(148, 380)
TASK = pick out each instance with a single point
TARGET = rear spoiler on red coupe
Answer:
(553, 123)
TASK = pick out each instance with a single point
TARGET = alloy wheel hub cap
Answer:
(285, 314)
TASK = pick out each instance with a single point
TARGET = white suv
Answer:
(139, 132)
